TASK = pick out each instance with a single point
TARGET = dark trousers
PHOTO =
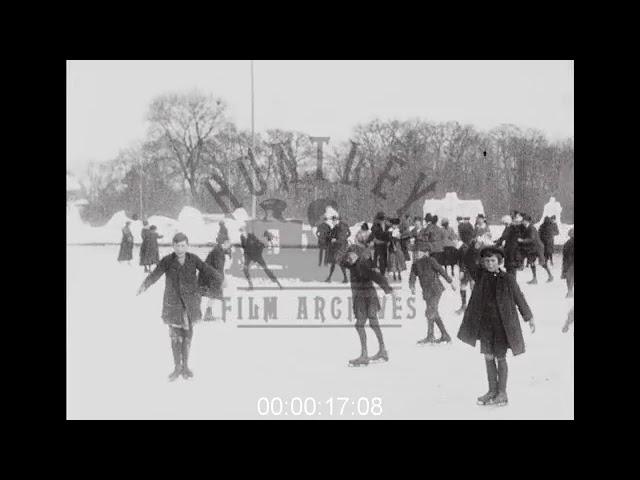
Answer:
(380, 254)
(260, 261)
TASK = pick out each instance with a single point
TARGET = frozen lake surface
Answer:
(119, 356)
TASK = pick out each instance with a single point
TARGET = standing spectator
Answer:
(323, 233)
(143, 244)
(450, 256)
(567, 263)
(339, 243)
(151, 253)
(380, 237)
(396, 257)
(465, 231)
(223, 233)
(548, 231)
(126, 245)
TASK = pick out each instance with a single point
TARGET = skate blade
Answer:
(357, 365)
(381, 360)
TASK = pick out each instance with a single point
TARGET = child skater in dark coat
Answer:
(365, 300)
(427, 269)
(181, 302)
(491, 317)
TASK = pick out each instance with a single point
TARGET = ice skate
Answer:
(445, 338)
(550, 279)
(381, 355)
(486, 398)
(186, 373)
(428, 340)
(533, 281)
(362, 360)
(175, 374)
(328, 280)
(500, 400)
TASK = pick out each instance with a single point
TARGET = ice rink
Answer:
(119, 356)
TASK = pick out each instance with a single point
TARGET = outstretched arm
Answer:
(153, 277)
(215, 278)
(521, 302)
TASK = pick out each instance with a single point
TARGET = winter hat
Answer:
(490, 251)
(380, 216)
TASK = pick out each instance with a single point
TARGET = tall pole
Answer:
(253, 197)
(141, 213)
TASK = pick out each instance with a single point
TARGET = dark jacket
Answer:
(362, 277)
(509, 300)
(435, 237)
(531, 244)
(149, 254)
(126, 245)
(252, 246)
(567, 257)
(509, 238)
(215, 259)
(427, 270)
(548, 231)
(181, 286)
(323, 232)
(379, 234)
(466, 232)
(223, 234)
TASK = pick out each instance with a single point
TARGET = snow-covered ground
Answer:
(118, 353)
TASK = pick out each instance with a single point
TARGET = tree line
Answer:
(191, 141)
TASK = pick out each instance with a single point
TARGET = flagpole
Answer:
(253, 197)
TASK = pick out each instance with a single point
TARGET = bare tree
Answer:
(186, 122)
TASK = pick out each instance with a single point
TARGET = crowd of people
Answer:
(487, 270)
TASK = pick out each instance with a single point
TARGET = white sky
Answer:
(107, 100)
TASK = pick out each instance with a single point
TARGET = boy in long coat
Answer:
(547, 231)
(492, 318)
(427, 269)
(181, 302)
(366, 304)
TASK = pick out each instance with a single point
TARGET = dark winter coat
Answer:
(427, 269)
(126, 245)
(567, 258)
(379, 234)
(466, 232)
(548, 231)
(362, 276)
(512, 255)
(223, 234)
(337, 249)
(252, 246)
(469, 260)
(531, 244)
(323, 232)
(181, 289)
(215, 259)
(435, 237)
(509, 299)
(149, 254)
(143, 245)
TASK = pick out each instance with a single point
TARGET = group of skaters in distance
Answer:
(487, 270)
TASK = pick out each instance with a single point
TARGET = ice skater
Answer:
(450, 255)
(427, 269)
(215, 260)
(548, 231)
(253, 247)
(181, 302)
(567, 263)
(492, 318)
(380, 238)
(533, 249)
(366, 304)
(126, 245)
(513, 230)
(143, 245)
(468, 264)
(338, 246)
